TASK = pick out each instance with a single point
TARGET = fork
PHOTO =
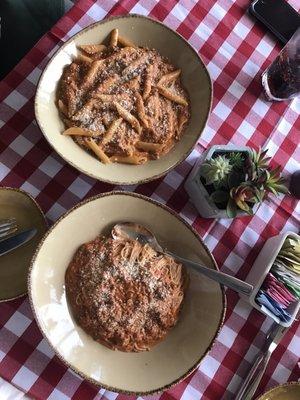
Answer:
(252, 380)
(7, 227)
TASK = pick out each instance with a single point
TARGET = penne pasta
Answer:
(120, 55)
(172, 76)
(106, 120)
(62, 107)
(111, 130)
(136, 159)
(77, 131)
(120, 101)
(152, 147)
(107, 84)
(128, 117)
(90, 77)
(84, 111)
(134, 83)
(114, 37)
(97, 150)
(135, 65)
(109, 98)
(181, 121)
(125, 42)
(92, 48)
(169, 115)
(84, 58)
(141, 110)
(172, 96)
(156, 106)
(148, 82)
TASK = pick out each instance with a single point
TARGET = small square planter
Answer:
(197, 191)
(260, 269)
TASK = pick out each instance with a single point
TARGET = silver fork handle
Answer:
(227, 280)
(253, 379)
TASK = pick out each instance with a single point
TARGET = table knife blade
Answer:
(16, 241)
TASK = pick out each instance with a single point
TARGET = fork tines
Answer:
(7, 227)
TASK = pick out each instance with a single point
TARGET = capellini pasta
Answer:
(125, 294)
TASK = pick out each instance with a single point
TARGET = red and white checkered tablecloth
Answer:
(236, 50)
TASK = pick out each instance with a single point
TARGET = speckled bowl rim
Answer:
(183, 156)
(46, 226)
(273, 389)
(81, 374)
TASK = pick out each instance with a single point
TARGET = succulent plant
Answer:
(275, 183)
(242, 196)
(241, 181)
(255, 163)
(259, 158)
(236, 159)
(216, 169)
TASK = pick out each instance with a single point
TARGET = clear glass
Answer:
(281, 80)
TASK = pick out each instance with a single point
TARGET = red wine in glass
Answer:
(281, 80)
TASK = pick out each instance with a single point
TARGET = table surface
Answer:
(10, 392)
(236, 50)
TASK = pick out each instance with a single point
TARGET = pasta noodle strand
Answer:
(148, 82)
(76, 131)
(98, 151)
(135, 159)
(84, 58)
(146, 146)
(141, 110)
(111, 130)
(172, 96)
(172, 76)
(128, 117)
(114, 37)
(92, 48)
(125, 41)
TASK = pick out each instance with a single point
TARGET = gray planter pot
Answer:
(197, 191)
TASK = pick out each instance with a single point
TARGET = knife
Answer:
(250, 384)
(16, 241)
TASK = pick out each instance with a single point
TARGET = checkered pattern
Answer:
(236, 51)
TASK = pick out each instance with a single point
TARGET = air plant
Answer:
(241, 179)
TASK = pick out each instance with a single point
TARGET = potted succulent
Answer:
(229, 181)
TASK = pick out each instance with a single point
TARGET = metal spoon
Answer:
(138, 232)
